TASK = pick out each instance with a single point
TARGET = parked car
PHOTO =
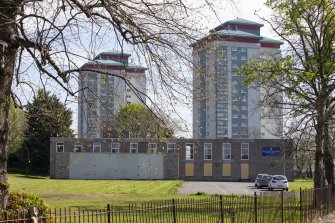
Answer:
(278, 182)
(259, 176)
(263, 181)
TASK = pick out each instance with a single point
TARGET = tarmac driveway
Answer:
(238, 188)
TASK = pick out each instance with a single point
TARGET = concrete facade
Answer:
(106, 83)
(191, 159)
(223, 105)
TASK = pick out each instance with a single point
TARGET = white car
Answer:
(278, 182)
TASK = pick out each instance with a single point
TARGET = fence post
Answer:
(221, 208)
(328, 199)
(300, 203)
(108, 213)
(282, 206)
(255, 204)
(174, 209)
(33, 214)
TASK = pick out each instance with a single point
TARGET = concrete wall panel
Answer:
(116, 166)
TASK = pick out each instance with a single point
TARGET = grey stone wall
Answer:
(174, 164)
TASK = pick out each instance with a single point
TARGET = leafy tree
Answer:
(17, 128)
(54, 41)
(17, 125)
(47, 117)
(305, 75)
(136, 121)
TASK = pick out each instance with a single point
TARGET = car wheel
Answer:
(271, 189)
(268, 188)
(286, 189)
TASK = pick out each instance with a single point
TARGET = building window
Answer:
(96, 147)
(243, 116)
(133, 148)
(189, 151)
(115, 148)
(235, 115)
(244, 108)
(244, 50)
(59, 147)
(234, 57)
(171, 148)
(234, 49)
(78, 147)
(244, 151)
(226, 151)
(243, 58)
(244, 124)
(208, 151)
(152, 147)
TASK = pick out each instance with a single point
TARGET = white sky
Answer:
(243, 9)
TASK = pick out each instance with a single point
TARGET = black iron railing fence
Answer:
(282, 207)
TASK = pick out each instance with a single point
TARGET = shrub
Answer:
(19, 200)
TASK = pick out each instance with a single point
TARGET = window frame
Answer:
(78, 145)
(223, 151)
(206, 154)
(168, 150)
(118, 148)
(152, 150)
(96, 145)
(243, 151)
(130, 148)
(58, 146)
(191, 151)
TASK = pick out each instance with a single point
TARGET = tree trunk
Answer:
(8, 12)
(319, 144)
(328, 160)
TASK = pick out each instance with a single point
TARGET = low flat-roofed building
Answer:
(184, 159)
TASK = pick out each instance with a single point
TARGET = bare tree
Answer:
(43, 41)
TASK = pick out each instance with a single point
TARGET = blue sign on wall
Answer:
(271, 151)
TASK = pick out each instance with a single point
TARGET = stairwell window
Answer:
(171, 148)
(78, 147)
(59, 147)
(96, 147)
(115, 148)
(152, 148)
(189, 151)
(133, 148)
(226, 151)
(208, 151)
(244, 151)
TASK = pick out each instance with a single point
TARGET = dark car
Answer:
(263, 181)
(259, 176)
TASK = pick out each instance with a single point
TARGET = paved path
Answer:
(239, 188)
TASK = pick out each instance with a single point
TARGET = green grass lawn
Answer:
(301, 183)
(98, 193)
(93, 193)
